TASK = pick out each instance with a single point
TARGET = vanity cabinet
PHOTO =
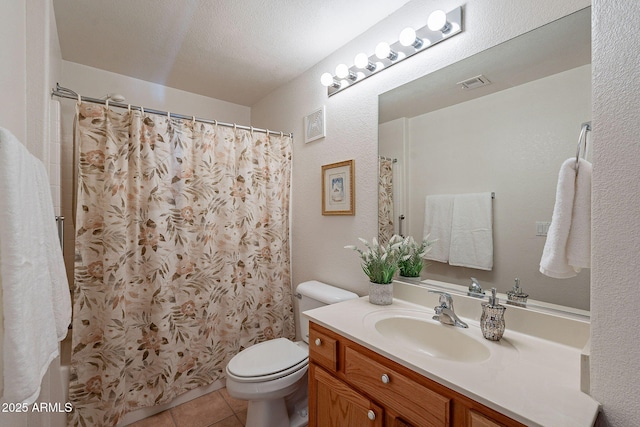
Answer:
(350, 385)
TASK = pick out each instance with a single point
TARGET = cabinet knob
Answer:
(371, 415)
(318, 341)
(385, 379)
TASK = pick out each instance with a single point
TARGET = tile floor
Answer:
(216, 409)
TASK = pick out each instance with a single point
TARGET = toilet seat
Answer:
(267, 361)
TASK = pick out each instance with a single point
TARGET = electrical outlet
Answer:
(542, 228)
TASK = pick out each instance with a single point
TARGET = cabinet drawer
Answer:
(417, 404)
(323, 350)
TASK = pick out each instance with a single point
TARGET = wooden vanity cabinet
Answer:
(350, 385)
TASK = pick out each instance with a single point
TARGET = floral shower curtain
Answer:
(182, 256)
(385, 200)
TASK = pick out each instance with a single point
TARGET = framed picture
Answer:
(314, 125)
(338, 192)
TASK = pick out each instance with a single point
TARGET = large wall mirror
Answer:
(509, 137)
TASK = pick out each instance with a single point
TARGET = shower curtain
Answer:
(385, 200)
(182, 256)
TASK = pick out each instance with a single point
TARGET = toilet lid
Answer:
(266, 358)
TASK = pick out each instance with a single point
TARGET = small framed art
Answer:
(314, 125)
(338, 192)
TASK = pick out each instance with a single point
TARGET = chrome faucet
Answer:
(444, 312)
(475, 290)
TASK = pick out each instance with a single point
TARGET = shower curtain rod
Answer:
(63, 92)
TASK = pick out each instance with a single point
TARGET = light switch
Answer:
(542, 228)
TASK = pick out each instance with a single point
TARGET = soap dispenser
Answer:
(516, 296)
(492, 319)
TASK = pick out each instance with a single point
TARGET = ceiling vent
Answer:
(474, 82)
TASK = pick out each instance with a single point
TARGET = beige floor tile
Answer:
(237, 405)
(163, 419)
(231, 421)
(202, 412)
(242, 416)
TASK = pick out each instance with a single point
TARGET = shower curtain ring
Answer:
(106, 104)
(281, 134)
(79, 100)
(142, 110)
(193, 120)
(129, 108)
(169, 115)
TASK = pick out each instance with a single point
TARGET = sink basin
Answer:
(433, 339)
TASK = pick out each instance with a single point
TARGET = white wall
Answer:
(96, 83)
(352, 124)
(615, 296)
(512, 143)
(13, 57)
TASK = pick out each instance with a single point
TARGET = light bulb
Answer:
(438, 21)
(327, 80)
(383, 51)
(342, 71)
(408, 37)
(362, 61)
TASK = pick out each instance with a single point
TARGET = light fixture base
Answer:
(424, 34)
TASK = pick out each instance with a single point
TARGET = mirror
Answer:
(509, 137)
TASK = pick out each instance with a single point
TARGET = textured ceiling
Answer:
(235, 50)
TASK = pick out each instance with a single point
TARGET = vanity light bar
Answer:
(436, 30)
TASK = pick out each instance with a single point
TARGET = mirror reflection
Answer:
(507, 134)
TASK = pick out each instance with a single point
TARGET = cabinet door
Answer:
(338, 405)
(478, 420)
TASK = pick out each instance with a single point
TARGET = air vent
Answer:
(474, 82)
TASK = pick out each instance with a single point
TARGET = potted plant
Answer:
(380, 263)
(411, 254)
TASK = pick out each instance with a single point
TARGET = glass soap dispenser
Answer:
(516, 296)
(492, 319)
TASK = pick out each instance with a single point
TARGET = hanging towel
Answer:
(437, 225)
(579, 242)
(472, 231)
(35, 292)
(568, 245)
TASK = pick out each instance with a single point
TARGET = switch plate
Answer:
(542, 228)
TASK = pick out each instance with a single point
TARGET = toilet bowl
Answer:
(272, 375)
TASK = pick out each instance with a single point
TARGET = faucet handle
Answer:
(445, 299)
(475, 290)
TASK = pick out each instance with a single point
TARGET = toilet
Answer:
(272, 375)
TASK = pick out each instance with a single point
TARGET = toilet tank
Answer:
(314, 294)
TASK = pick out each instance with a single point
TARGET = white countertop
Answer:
(532, 380)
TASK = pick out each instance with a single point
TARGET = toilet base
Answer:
(290, 411)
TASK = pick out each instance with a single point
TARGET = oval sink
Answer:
(433, 339)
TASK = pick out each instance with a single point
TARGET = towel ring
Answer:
(586, 127)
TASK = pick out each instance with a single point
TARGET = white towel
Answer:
(472, 231)
(35, 292)
(568, 245)
(437, 225)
